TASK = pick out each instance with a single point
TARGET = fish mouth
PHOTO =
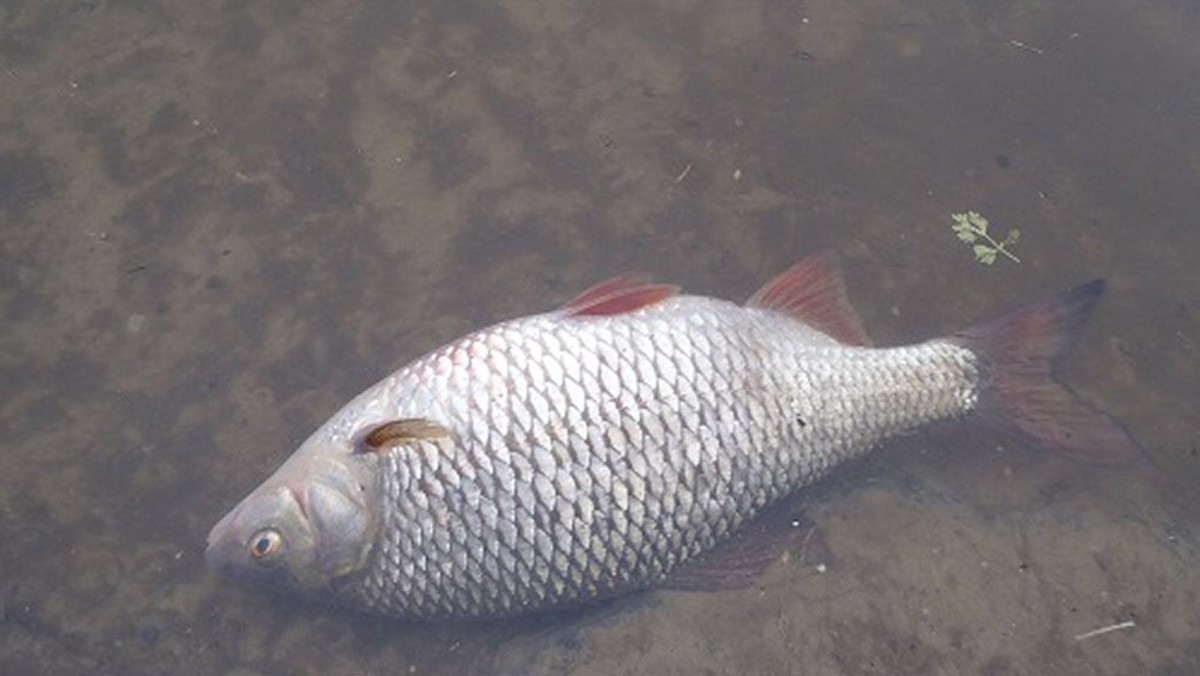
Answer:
(223, 547)
(217, 556)
(217, 532)
(223, 543)
(227, 551)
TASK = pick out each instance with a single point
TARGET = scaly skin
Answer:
(590, 456)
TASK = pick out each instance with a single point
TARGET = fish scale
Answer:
(730, 453)
(623, 441)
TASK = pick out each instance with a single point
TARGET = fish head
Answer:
(305, 529)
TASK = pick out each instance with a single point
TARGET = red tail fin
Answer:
(1018, 352)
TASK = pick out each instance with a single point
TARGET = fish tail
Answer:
(1017, 352)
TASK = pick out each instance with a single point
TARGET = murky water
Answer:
(220, 221)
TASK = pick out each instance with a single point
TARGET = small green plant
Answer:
(972, 228)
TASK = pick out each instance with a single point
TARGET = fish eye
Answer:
(266, 546)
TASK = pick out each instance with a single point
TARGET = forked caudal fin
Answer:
(1018, 351)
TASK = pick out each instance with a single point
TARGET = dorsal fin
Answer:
(624, 300)
(608, 287)
(813, 292)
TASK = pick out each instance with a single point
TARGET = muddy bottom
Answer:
(219, 223)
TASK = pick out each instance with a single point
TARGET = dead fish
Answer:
(623, 441)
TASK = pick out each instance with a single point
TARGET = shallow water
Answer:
(218, 223)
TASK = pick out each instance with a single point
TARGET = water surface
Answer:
(219, 221)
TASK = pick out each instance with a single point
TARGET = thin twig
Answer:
(686, 170)
(1128, 624)
(1021, 45)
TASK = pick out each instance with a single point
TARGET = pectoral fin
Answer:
(398, 432)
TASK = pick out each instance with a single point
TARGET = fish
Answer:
(634, 438)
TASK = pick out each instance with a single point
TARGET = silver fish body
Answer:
(565, 457)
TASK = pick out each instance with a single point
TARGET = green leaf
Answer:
(985, 254)
(965, 233)
(971, 227)
(977, 221)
